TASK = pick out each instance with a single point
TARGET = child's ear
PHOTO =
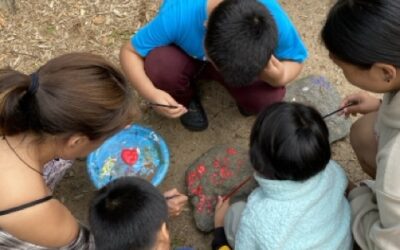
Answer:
(163, 241)
(386, 72)
(165, 232)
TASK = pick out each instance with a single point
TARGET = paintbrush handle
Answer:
(167, 106)
(163, 105)
(338, 110)
(235, 189)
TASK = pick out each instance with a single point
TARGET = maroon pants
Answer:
(172, 70)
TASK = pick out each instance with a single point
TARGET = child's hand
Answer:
(175, 201)
(220, 210)
(364, 104)
(161, 97)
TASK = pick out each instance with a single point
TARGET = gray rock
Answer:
(318, 92)
(217, 172)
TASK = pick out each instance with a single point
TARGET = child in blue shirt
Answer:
(251, 47)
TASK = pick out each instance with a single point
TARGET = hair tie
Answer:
(33, 87)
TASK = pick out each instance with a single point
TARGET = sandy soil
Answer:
(43, 29)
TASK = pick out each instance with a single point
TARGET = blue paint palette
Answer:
(134, 151)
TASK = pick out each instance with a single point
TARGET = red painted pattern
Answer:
(231, 151)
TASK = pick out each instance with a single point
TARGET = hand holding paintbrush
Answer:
(338, 110)
(364, 103)
(165, 104)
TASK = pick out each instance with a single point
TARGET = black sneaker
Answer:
(195, 119)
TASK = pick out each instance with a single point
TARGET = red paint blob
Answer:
(191, 178)
(225, 173)
(130, 156)
(201, 169)
(231, 151)
(216, 164)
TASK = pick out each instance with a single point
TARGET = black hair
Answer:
(289, 141)
(127, 214)
(364, 32)
(240, 39)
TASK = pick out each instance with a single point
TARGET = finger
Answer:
(180, 200)
(353, 110)
(178, 113)
(170, 112)
(353, 98)
(171, 192)
(220, 200)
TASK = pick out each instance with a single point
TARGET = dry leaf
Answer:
(98, 19)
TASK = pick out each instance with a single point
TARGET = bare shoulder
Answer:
(47, 224)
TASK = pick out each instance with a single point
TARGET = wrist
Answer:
(149, 93)
(218, 223)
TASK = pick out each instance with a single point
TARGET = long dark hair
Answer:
(73, 93)
(364, 32)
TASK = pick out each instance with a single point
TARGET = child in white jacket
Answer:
(300, 202)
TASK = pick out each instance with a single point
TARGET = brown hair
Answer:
(73, 93)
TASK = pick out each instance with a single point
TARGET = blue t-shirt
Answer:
(182, 22)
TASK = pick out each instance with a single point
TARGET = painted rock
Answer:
(217, 172)
(318, 92)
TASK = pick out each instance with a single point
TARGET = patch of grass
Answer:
(121, 34)
(51, 29)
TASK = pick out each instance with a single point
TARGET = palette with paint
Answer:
(134, 151)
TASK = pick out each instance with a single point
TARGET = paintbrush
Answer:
(340, 109)
(163, 105)
(235, 189)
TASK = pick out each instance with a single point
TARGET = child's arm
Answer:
(279, 73)
(220, 242)
(133, 66)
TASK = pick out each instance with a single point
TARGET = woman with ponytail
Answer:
(64, 110)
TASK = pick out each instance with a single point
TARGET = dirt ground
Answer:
(41, 30)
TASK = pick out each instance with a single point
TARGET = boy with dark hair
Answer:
(240, 39)
(251, 47)
(300, 202)
(129, 214)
